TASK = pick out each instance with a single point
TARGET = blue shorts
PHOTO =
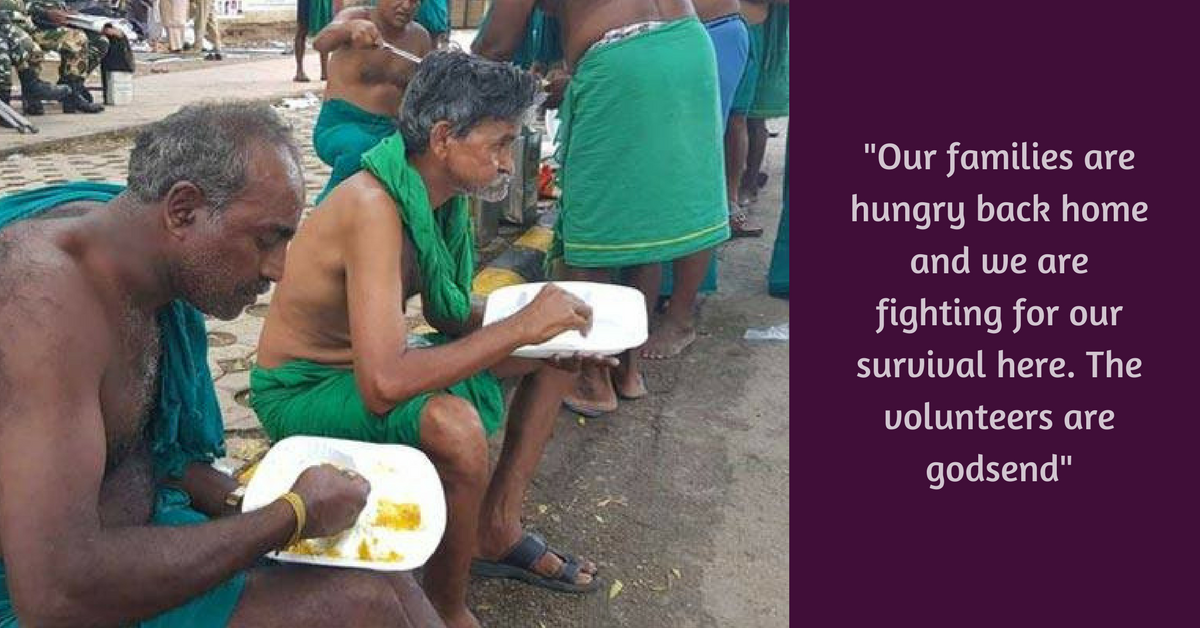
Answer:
(731, 42)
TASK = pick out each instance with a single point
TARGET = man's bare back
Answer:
(309, 315)
(372, 78)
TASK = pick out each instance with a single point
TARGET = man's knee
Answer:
(367, 596)
(452, 433)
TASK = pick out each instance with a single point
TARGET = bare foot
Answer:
(300, 77)
(668, 340)
(594, 394)
(629, 383)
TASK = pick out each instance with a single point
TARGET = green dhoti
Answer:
(318, 15)
(342, 134)
(641, 137)
(303, 397)
(771, 98)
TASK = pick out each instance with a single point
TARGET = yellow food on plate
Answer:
(398, 516)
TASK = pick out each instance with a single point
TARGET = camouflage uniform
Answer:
(18, 51)
(80, 51)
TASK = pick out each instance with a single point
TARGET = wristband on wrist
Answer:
(297, 504)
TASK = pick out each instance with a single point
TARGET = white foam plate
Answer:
(397, 473)
(618, 317)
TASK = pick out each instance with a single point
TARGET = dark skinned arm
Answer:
(339, 33)
(64, 568)
(386, 371)
(505, 30)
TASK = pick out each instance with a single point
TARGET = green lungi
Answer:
(342, 134)
(640, 143)
(771, 98)
(186, 426)
(434, 15)
(320, 14)
(779, 273)
(302, 397)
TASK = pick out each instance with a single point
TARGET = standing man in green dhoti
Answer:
(311, 17)
(335, 359)
(641, 159)
(110, 510)
(366, 82)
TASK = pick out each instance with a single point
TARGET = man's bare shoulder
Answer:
(361, 200)
(417, 34)
(51, 312)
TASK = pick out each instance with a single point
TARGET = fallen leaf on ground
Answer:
(615, 589)
(676, 572)
(599, 518)
(542, 508)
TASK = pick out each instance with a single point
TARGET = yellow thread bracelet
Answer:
(297, 504)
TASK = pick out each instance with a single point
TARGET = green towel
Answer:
(187, 424)
(542, 42)
(443, 239)
(343, 132)
(434, 15)
(643, 174)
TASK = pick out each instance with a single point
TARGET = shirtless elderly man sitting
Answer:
(335, 360)
(108, 417)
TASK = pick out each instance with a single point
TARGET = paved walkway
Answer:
(158, 95)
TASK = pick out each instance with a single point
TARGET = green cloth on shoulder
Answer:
(342, 134)
(434, 15)
(186, 426)
(443, 238)
(211, 608)
(302, 397)
(641, 181)
(320, 14)
(542, 42)
(771, 94)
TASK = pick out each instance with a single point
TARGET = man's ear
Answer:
(183, 206)
(439, 139)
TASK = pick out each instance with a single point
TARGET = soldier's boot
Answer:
(77, 101)
(34, 90)
(6, 98)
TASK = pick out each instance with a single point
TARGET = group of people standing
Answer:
(102, 289)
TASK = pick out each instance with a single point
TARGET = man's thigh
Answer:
(298, 596)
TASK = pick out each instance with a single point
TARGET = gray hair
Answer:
(207, 144)
(463, 90)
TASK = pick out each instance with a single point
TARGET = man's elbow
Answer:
(373, 388)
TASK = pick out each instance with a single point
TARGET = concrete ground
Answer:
(682, 498)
